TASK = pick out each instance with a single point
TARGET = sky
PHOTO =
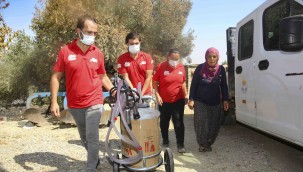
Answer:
(208, 18)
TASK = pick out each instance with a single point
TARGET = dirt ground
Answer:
(57, 148)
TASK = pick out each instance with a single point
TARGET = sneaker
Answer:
(202, 148)
(181, 149)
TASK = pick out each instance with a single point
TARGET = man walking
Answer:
(83, 66)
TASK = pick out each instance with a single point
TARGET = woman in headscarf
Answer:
(208, 89)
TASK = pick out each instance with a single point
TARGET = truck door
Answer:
(279, 99)
(245, 72)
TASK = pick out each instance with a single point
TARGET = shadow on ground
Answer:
(61, 162)
(193, 159)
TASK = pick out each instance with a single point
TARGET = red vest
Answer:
(170, 82)
(82, 70)
(136, 68)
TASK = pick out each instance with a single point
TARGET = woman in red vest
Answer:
(170, 87)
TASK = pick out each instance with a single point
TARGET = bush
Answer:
(15, 70)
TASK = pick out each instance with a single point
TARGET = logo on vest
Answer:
(143, 63)
(93, 60)
(166, 72)
(71, 57)
(126, 64)
(180, 73)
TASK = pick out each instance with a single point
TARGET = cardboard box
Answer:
(106, 111)
(147, 132)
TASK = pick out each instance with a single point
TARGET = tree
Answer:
(16, 70)
(160, 23)
(6, 33)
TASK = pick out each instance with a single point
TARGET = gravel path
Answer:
(57, 148)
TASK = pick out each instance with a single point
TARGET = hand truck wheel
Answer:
(168, 160)
(116, 166)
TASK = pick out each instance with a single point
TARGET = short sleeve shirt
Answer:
(82, 70)
(135, 68)
(170, 82)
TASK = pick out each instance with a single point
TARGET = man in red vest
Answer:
(136, 66)
(83, 65)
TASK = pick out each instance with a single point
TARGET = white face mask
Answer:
(173, 62)
(134, 49)
(87, 39)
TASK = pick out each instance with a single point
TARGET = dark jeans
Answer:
(176, 112)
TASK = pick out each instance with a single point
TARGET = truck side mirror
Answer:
(291, 33)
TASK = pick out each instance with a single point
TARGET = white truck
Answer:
(265, 69)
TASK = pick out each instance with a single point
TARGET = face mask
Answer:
(134, 49)
(173, 63)
(87, 39)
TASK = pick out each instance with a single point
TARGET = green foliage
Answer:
(168, 20)
(6, 33)
(26, 64)
(184, 43)
(16, 70)
(160, 23)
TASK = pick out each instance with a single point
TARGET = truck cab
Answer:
(265, 74)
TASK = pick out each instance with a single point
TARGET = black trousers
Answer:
(176, 112)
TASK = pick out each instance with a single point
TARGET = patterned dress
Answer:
(207, 121)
